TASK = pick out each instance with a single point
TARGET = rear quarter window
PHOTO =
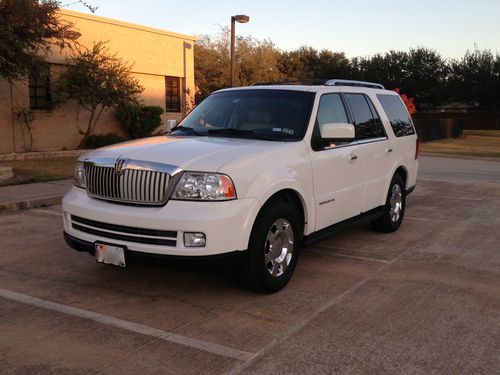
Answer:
(398, 115)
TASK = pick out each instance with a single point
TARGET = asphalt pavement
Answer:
(425, 299)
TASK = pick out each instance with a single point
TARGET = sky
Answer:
(356, 27)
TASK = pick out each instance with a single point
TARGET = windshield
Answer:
(278, 115)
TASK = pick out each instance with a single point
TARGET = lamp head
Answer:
(241, 18)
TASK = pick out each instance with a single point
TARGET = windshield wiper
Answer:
(187, 130)
(248, 133)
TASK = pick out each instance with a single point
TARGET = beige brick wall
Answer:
(153, 53)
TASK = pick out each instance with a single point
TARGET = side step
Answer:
(355, 221)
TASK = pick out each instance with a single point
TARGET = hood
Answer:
(189, 153)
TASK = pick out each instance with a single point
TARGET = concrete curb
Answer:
(42, 155)
(32, 203)
(41, 194)
(6, 173)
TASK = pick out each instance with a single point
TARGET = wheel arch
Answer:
(403, 172)
(294, 197)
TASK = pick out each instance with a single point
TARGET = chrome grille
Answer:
(131, 186)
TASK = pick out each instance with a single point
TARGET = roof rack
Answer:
(304, 82)
(324, 82)
(345, 82)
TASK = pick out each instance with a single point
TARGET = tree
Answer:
(255, 61)
(139, 120)
(475, 79)
(425, 77)
(420, 72)
(309, 63)
(98, 81)
(29, 29)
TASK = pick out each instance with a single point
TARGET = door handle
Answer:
(353, 157)
(389, 150)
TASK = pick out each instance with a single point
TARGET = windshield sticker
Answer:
(288, 131)
(277, 130)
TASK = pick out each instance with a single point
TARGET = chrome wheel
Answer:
(396, 202)
(278, 247)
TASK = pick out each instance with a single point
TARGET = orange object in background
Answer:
(409, 102)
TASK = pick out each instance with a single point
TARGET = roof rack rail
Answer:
(305, 82)
(324, 82)
(345, 82)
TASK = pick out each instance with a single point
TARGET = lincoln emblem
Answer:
(119, 166)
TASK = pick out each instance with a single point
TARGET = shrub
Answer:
(100, 140)
(138, 120)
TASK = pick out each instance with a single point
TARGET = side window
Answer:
(366, 120)
(378, 126)
(172, 94)
(331, 110)
(398, 115)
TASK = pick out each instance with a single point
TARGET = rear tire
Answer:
(274, 247)
(394, 209)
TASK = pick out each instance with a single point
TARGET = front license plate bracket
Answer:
(110, 254)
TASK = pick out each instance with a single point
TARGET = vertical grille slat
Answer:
(131, 186)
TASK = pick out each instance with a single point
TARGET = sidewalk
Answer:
(18, 197)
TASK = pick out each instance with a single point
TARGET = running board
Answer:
(355, 221)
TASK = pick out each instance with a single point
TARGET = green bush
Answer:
(100, 140)
(138, 120)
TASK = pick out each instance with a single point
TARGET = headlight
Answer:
(204, 186)
(79, 175)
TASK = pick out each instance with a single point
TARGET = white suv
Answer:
(259, 171)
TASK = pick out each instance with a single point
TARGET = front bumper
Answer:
(159, 230)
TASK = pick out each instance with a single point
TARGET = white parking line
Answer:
(340, 255)
(303, 323)
(128, 326)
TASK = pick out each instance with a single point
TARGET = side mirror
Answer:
(337, 131)
(169, 125)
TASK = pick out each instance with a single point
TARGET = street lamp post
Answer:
(241, 18)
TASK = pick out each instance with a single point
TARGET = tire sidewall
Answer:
(257, 271)
(394, 225)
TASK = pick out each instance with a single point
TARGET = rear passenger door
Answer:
(375, 153)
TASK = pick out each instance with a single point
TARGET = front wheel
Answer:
(274, 247)
(394, 209)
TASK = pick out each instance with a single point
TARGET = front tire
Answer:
(274, 247)
(394, 209)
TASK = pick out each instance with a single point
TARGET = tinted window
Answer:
(331, 110)
(366, 120)
(398, 115)
(275, 114)
(379, 127)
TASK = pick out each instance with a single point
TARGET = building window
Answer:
(39, 87)
(173, 94)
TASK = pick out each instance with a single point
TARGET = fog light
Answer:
(194, 239)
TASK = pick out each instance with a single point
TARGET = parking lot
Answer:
(424, 299)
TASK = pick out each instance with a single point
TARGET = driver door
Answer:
(337, 175)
